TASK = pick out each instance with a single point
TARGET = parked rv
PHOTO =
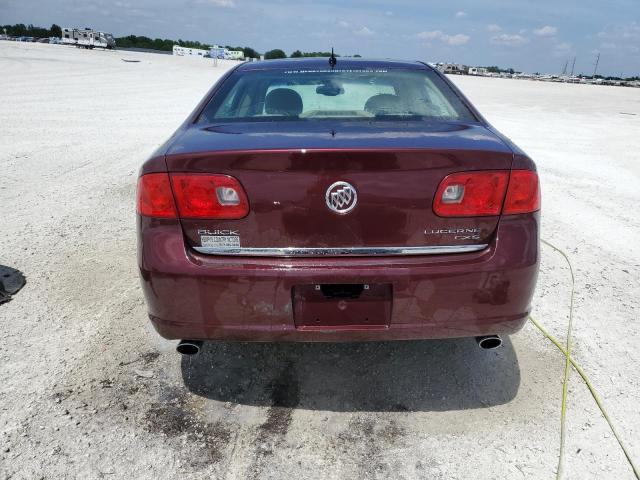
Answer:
(186, 51)
(478, 71)
(234, 54)
(452, 68)
(87, 38)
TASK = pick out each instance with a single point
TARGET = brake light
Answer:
(209, 196)
(523, 194)
(471, 194)
(482, 193)
(154, 198)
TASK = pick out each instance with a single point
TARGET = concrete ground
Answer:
(90, 391)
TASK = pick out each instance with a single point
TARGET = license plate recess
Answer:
(342, 306)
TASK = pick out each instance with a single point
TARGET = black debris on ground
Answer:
(11, 280)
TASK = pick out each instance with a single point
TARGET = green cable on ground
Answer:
(569, 361)
(594, 394)
(565, 382)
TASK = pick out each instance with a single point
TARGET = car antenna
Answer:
(332, 59)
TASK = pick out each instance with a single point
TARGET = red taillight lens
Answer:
(209, 196)
(523, 194)
(471, 194)
(154, 198)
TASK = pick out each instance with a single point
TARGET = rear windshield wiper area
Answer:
(401, 116)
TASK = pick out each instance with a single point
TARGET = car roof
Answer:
(342, 63)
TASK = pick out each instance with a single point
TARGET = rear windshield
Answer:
(299, 95)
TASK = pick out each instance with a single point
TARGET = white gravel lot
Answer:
(90, 391)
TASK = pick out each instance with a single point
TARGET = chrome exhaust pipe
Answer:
(189, 347)
(489, 342)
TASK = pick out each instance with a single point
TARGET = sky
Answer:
(527, 35)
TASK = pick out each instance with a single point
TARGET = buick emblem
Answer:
(341, 197)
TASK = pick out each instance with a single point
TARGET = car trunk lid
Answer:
(394, 170)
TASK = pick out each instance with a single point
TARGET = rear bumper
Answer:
(196, 296)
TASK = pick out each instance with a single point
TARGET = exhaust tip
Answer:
(489, 342)
(189, 347)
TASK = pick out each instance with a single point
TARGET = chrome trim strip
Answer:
(339, 252)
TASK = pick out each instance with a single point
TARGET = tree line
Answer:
(22, 30)
(165, 44)
(277, 53)
(161, 44)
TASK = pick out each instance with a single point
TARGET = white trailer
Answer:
(186, 51)
(234, 54)
(87, 38)
(477, 71)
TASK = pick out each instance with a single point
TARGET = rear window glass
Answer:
(273, 95)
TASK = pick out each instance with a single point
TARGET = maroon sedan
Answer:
(306, 200)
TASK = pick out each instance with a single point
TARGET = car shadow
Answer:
(387, 376)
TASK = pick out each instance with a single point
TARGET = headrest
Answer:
(384, 103)
(283, 101)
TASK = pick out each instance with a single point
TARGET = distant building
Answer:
(185, 51)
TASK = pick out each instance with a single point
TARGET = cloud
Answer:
(223, 3)
(453, 40)
(458, 39)
(617, 50)
(430, 35)
(364, 31)
(620, 40)
(509, 40)
(493, 27)
(461, 14)
(546, 31)
(563, 49)
(628, 31)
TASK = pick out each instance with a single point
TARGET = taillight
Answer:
(523, 194)
(471, 194)
(487, 193)
(154, 198)
(209, 196)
